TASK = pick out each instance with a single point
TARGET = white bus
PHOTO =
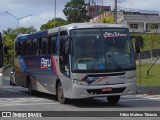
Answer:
(77, 61)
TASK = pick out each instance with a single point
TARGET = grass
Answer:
(153, 79)
(151, 41)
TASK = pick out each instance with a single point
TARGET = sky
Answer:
(43, 10)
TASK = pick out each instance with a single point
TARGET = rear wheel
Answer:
(60, 94)
(30, 91)
(113, 99)
(11, 81)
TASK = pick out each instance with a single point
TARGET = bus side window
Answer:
(53, 45)
(44, 46)
(22, 48)
(34, 46)
(17, 48)
(28, 47)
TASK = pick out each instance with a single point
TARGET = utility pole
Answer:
(55, 14)
(18, 19)
(115, 12)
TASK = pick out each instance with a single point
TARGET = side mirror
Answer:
(137, 46)
(138, 43)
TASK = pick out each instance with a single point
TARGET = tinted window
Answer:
(28, 47)
(22, 48)
(101, 49)
(44, 46)
(53, 45)
(34, 47)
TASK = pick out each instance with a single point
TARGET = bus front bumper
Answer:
(80, 91)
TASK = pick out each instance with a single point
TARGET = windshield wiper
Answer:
(114, 60)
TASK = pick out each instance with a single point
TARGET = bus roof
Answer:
(66, 28)
(85, 25)
(31, 36)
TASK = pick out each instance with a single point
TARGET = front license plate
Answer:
(106, 89)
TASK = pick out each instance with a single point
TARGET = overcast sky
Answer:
(43, 10)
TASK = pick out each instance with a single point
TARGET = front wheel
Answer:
(60, 94)
(12, 81)
(113, 99)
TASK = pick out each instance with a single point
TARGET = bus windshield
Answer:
(107, 49)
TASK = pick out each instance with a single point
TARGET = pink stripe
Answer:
(54, 65)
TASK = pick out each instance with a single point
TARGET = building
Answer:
(140, 22)
(98, 18)
(135, 21)
(95, 10)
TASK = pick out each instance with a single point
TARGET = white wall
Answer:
(140, 27)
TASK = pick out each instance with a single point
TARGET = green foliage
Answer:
(109, 19)
(9, 36)
(149, 80)
(99, 11)
(50, 23)
(25, 30)
(103, 20)
(75, 11)
(151, 41)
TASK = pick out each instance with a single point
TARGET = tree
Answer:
(50, 23)
(25, 30)
(152, 39)
(109, 19)
(8, 37)
(75, 11)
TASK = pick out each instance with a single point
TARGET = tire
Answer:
(10, 82)
(14, 84)
(13, 79)
(30, 91)
(113, 99)
(60, 94)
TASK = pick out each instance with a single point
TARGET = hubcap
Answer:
(60, 91)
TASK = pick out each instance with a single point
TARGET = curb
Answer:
(150, 90)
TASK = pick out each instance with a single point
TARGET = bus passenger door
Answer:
(64, 56)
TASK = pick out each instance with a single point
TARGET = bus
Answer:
(79, 60)
(1, 60)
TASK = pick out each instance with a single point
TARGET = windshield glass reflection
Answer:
(101, 49)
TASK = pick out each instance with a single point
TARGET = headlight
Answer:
(131, 79)
(79, 82)
(1, 74)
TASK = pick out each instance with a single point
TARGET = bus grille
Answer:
(99, 91)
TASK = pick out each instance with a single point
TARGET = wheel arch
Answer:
(57, 82)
